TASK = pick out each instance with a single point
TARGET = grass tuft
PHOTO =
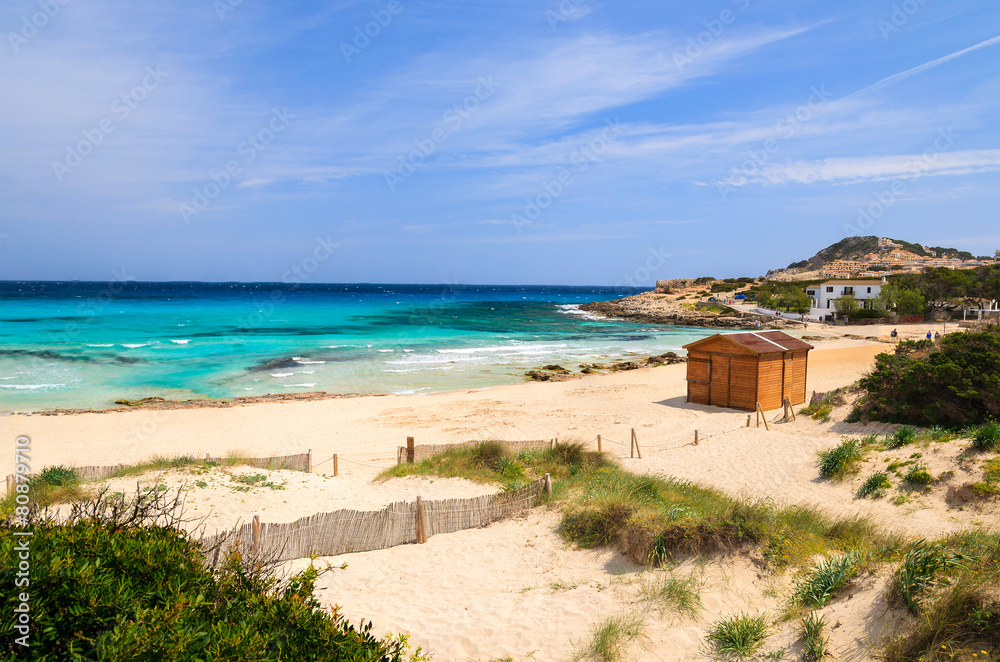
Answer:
(841, 459)
(669, 592)
(902, 437)
(920, 565)
(918, 475)
(874, 486)
(987, 437)
(740, 634)
(813, 642)
(823, 582)
(612, 638)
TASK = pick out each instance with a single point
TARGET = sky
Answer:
(565, 143)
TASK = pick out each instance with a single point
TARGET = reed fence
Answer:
(400, 523)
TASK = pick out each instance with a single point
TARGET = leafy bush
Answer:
(953, 385)
(987, 437)
(841, 459)
(874, 485)
(57, 477)
(740, 634)
(110, 584)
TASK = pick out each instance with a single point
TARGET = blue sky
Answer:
(572, 142)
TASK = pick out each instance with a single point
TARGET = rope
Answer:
(316, 464)
(345, 459)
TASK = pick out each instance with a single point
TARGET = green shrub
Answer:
(57, 477)
(817, 587)
(987, 437)
(954, 384)
(874, 485)
(740, 634)
(841, 459)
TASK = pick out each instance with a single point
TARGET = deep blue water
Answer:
(84, 344)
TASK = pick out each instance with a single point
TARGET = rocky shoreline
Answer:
(158, 403)
(557, 373)
(649, 308)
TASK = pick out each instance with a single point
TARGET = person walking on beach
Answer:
(928, 335)
(893, 335)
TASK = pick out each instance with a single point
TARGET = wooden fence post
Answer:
(336, 467)
(256, 534)
(635, 444)
(695, 437)
(760, 415)
(309, 461)
(598, 443)
(421, 522)
(410, 450)
(207, 458)
(552, 444)
(748, 420)
(548, 485)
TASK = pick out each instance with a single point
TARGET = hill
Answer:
(852, 248)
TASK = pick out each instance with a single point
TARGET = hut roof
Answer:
(758, 342)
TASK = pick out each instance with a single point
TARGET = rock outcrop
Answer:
(651, 309)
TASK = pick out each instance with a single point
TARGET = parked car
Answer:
(712, 299)
(740, 296)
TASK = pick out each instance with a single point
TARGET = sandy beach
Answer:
(516, 587)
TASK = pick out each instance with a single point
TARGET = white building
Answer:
(824, 295)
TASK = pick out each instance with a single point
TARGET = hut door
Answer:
(720, 380)
(787, 385)
(699, 380)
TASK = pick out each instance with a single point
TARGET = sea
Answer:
(87, 344)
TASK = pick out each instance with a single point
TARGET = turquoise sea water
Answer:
(79, 344)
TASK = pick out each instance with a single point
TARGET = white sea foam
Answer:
(574, 309)
(282, 374)
(101, 345)
(302, 361)
(384, 350)
(310, 385)
(180, 342)
(133, 345)
(33, 387)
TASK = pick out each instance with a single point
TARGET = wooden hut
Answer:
(738, 370)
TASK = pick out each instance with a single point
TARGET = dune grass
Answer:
(52, 485)
(954, 587)
(667, 591)
(740, 634)
(491, 462)
(612, 638)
